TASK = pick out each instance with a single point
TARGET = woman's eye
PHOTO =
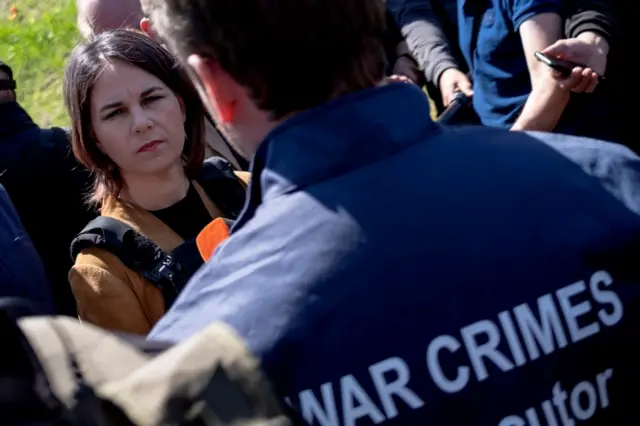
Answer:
(151, 99)
(113, 113)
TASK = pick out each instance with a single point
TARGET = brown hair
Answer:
(291, 55)
(84, 67)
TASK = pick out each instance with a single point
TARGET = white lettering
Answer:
(512, 338)
(559, 399)
(398, 387)
(325, 413)
(512, 421)
(606, 297)
(544, 333)
(433, 364)
(572, 312)
(532, 417)
(489, 349)
(583, 401)
(356, 403)
(549, 415)
(581, 412)
(602, 379)
(528, 334)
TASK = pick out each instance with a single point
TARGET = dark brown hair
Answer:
(291, 55)
(84, 67)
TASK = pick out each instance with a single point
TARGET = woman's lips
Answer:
(149, 146)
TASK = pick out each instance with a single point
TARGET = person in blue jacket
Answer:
(389, 270)
(22, 274)
(511, 88)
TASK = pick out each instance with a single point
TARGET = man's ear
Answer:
(147, 27)
(217, 84)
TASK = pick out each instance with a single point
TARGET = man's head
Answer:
(257, 62)
(7, 85)
(95, 16)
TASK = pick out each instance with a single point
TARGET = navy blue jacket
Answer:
(389, 270)
(21, 272)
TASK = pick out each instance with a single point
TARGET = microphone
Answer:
(458, 105)
(212, 235)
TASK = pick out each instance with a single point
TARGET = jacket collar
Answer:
(342, 135)
(147, 224)
(13, 120)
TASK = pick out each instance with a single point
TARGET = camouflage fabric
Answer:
(88, 376)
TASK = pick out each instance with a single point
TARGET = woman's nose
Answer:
(141, 120)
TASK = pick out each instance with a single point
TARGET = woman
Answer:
(138, 125)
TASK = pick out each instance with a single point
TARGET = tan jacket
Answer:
(109, 294)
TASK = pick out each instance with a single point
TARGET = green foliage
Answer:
(36, 45)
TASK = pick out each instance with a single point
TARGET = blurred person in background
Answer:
(95, 16)
(601, 34)
(22, 274)
(512, 89)
(431, 30)
(47, 187)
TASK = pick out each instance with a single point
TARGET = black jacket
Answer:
(598, 16)
(22, 274)
(615, 20)
(47, 186)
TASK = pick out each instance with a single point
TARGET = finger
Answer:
(558, 49)
(447, 97)
(593, 83)
(402, 78)
(391, 79)
(573, 81)
(585, 80)
(466, 88)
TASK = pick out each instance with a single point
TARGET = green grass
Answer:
(36, 46)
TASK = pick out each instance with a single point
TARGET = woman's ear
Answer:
(97, 142)
(100, 148)
(183, 109)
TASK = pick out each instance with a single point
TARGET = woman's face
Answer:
(137, 120)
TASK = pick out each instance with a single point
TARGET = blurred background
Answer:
(36, 37)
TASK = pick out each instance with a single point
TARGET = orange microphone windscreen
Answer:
(211, 236)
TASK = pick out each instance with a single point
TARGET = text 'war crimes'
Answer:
(530, 332)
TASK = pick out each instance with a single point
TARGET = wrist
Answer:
(543, 109)
(596, 40)
(444, 72)
(402, 49)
